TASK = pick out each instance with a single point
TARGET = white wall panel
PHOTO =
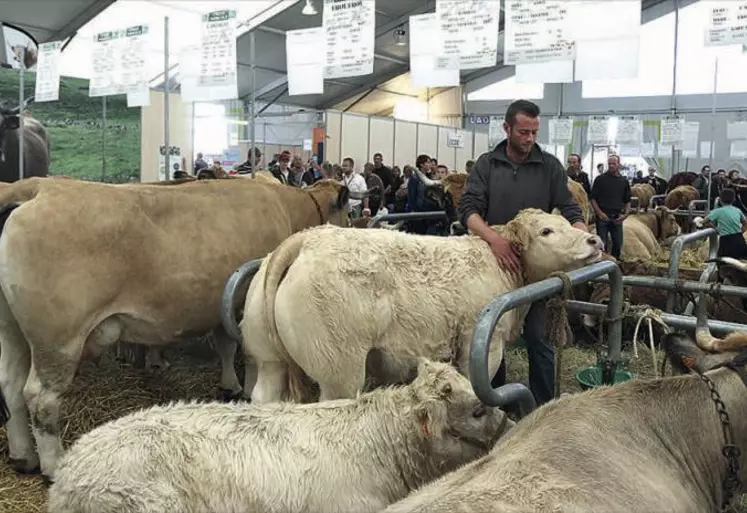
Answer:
(354, 137)
(333, 139)
(405, 143)
(445, 155)
(481, 144)
(464, 154)
(381, 139)
(427, 140)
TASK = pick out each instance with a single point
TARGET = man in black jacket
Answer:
(575, 172)
(610, 199)
(516, 175)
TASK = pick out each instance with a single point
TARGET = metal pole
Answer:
(21, 106)
(407, 216)
(663, 283)
(676, 47)
(253, 85)
(166, 110)
(675, 254)
(264, 139)
(103, 138)
(713, 123)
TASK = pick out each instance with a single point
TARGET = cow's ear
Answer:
(517, 235)
(342, 197)
(12, 122)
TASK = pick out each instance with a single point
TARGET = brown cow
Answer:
(644, 192)
(140, 266)
(35, 150)
(680, 197)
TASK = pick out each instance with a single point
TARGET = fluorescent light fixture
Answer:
(309, 9)
(400, 37)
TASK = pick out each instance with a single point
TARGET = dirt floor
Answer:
(110, 390)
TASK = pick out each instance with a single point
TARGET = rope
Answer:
(558, 329)
(649, 315)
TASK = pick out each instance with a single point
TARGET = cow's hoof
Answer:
(229, 396)
(23, 466)
(48, 481)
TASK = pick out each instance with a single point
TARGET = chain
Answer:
(730, 451)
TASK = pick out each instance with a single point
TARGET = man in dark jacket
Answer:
(610, 199)
(575, 172)
(516, 175)
(246, 167)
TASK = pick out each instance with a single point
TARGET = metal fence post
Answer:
(675, 255)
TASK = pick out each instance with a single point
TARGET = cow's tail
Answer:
(14, 195)
(299, 384)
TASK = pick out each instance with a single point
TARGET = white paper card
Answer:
(48, 72)
(119, 59)
(664, 151)
(305, 54)
(738, 149)
(736, 130)
(705, 149)
(648, 149)
(629, 130)
(455, 139)
(139, 98)
(690, 134)
(217, 77)
(307, 144)
(613, 59)
(560, 130)
(597, 130)
(469, 30)
(672, 128)
(427, 67)
(588, 20)
(537, 31)
(727, 24)
(350, 31)
(551, 72)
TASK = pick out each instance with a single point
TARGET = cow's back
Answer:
(638, 238)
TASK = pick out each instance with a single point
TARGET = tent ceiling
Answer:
(51, 20)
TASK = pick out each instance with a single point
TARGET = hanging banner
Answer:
(496, 133)
(705, 149)
(350, 32)
(736, 130)
(727, 23)
(427, 67)
(597, 131)
(664, 151)
(738, 149)
(537, 31)
(469, 30)
(690, 134)
(217, 76)
(648, 149)
(672, 128)
(560, 130)
(119, 60)
(629, 130)
(48, 73)
(305, 52)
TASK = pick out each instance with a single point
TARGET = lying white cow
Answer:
(337, 457)
(320, 302)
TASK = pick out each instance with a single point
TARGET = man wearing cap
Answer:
(250, 163)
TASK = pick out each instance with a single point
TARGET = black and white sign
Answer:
(560, 131)
(598, 130)
(350, 31)
(48, 72)
(305, 52)
(119, 62)
(672, 128)
(629, 130)
(427, 67)
(727, 23)
(537, 31)
(469, 30)
(479, 120)
(217, 70)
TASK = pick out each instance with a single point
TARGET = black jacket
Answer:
(582, 178)
(498, 189)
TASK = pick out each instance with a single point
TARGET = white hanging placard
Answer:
(350, 31)
(427, 67)
(629, 130)
(119, 60)
(648, 149)
(705, 149)
(48, 72)
(690, 134)
(550, 72)
(727, 23)
(305, 52)
(537, 31)
(139, 98)
(736, 130)
(738, 149)
(664, 151)
(597, 131)
(672, 128)
(217, 78)
(589, 20)
(560, 130)
(469, 30)
(455, 139)
(496, 133)
(612, 59)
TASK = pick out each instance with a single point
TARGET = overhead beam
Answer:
(83, 17)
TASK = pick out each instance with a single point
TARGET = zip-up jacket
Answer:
(497, 189)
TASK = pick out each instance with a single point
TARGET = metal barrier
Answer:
(675, 255)
(692, 210)
(237, 284)
(656, 198)
(491, 314)
(407, 216)
(659, 282)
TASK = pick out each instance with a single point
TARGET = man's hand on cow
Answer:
(580, 226)
(366, 212)
(505, 254)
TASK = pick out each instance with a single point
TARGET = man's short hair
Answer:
(575, 155)
(614, 157)
(443, 166)
(257, 153)
(348, 159)
(521, 107)
(378, 155)
(422, 159)
(727, 196)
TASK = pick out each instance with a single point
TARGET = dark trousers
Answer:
(541, 355)
(732, 246)
(615, 232)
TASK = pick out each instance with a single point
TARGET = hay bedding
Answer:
(109, 391)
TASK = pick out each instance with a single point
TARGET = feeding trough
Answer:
(603, 373)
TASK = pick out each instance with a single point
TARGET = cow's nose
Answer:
(479, 411)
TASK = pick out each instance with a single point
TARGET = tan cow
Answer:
(642, 233)
(142, 263)
(644, 192)
(579, 196)
(640, 446)
(318, 304)
(680, 197)
(280, 458)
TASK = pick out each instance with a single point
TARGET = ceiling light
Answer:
(400, 37)
(309, 9)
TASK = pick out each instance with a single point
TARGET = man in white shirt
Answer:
(356, 183)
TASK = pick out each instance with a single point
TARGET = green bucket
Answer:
(591, 377)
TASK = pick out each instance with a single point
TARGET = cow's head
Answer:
(667, 222)
(336, 197)
(548, 243)
(457, 427)
(447, 191)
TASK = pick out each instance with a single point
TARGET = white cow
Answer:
(326, 297)
(345, 456)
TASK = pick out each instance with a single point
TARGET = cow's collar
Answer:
(318, 209)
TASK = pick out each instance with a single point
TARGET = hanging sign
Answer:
(672, 128)
(427, 67)
(469, 31)
(664, 151)
(455, 139)
(217, 76)
(119, 62)
(596, 132)
(727, 23)
(175, 159)
(689, 145)
(561, 131)
(738, 149)
(629, 130)
(305, 53)
(496, 132)
(705, 149)
(48, 72)
(648, 149)
(537, 31)
(349, 29)
(736, 130)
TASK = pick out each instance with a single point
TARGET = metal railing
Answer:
(675, 255)
(491, 314)
(656, 200)
(234, 295)
(407, 216)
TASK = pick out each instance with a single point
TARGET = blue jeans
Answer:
(615, 232)
(540, 353)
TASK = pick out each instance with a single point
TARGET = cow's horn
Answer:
(429, 182)
(733, 262)
(703, 337)
(389, 226)
(234, 295)
(360, 195)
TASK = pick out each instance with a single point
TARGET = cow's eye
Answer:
(546, 231)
